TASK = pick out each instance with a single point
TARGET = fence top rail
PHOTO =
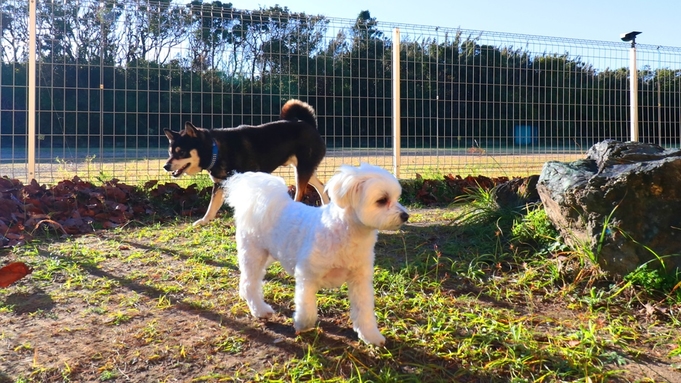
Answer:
(407, 28)
(506, 36)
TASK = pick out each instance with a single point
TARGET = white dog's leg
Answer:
(361, 294)
(253, 265)
(305, 317)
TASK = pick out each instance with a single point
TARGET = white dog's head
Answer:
(372, 193)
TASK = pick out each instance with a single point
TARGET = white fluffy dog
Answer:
(322, 247)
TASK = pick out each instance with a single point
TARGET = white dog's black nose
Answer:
(166, 167)
(404, 216)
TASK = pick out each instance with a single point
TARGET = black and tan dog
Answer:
(293, 140)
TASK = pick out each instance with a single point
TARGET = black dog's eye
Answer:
(382, 202)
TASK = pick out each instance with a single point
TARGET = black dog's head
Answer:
(184, 151)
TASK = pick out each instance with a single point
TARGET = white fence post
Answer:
(396, 102)
(633, 76)
(32, 69)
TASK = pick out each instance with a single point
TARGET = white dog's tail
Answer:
(257, 198)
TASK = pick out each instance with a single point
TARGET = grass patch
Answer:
(465, 293)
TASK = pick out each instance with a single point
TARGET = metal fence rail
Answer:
(111, 75)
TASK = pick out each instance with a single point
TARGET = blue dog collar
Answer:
(214, 159)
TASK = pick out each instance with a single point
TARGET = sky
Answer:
(658, 20)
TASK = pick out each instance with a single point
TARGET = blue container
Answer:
(525, 135)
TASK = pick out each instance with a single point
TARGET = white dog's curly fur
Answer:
(322, 247)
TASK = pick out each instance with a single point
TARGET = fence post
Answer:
(32, 69)
(396, 102)
(633, 77)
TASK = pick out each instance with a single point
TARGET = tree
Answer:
(155, 30)
(212, 32)
(13, 33)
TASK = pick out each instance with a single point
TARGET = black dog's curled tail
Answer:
(295, 110)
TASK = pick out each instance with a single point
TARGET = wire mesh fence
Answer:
(110, 76)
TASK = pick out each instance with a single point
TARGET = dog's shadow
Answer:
(281, 324)
(327, 328)
(325, 332)
(30, 302)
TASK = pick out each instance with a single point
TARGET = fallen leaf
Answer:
(573, 343)
(55, 224)
(13, 272)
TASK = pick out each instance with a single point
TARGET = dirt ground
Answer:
(46, 340)
(71, 340)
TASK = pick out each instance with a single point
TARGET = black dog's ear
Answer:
(170, 134)
(190, 129)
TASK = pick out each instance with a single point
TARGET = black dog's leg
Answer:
(301, 185)
(216, 200)
(305, 177)
(317, 184)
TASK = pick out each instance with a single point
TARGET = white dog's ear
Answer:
(344, 187)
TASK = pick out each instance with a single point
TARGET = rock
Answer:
(517, 192)
(622, 203)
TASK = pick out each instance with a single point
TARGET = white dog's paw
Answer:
(263, 311)
(372, 337)
(303, 323)
(298, 332)
(203, 221)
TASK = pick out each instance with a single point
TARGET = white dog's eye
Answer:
(382, 202)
